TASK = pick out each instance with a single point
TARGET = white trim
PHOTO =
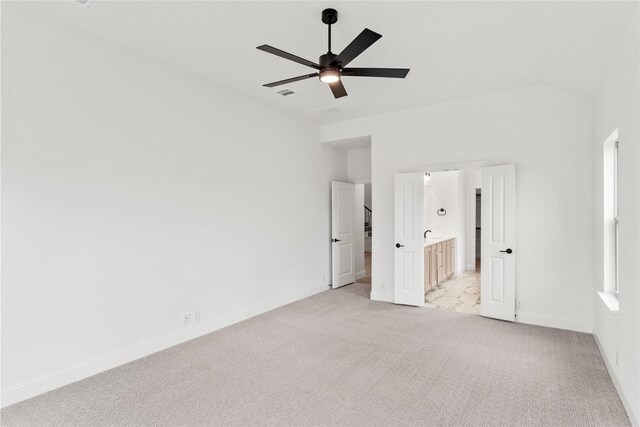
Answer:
(360, 274)
(366, 180)
(624, 396)
(553, 322)
(610, 300)
(86, 369)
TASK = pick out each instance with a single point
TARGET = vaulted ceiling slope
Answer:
(454, 49)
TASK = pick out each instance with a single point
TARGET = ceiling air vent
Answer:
(85, 3)
(286, 92)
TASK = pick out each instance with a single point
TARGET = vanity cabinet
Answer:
(427, 268)
(439, 263)
(452, 257)
(448, 260)
(433, 270)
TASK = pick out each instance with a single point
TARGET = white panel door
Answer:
(409, 241)
(342, 231)
(498, 237)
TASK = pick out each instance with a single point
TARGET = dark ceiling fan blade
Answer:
(399, 73)
(291, 80)
(338, 89)
(361, 43)
(287, 55)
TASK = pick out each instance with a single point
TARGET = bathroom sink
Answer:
(436, 239)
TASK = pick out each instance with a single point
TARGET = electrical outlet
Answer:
(197, 317)
(187, 319)
(518, 304)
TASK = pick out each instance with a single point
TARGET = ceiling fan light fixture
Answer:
(331, 75)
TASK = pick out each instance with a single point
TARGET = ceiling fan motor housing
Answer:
(325, 60)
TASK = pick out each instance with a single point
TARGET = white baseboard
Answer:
(553, 322)
(634, 417)
(360, 274)
(63, 377)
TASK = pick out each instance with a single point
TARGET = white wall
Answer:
(132, 194)
(472, 215)
(617, 106)
(359, 165)
(447, 190)
(426, 214)
(547, 134)
(367, 195)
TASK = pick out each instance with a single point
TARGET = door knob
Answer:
(336, 240)
(398, 245)
(508, 251)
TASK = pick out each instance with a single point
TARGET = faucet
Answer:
(425, 233)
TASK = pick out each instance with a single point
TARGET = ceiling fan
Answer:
(331, 67)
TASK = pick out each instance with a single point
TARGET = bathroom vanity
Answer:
(439, 261)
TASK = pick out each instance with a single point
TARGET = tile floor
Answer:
(461, 294)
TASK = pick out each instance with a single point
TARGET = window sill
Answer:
(610, 300)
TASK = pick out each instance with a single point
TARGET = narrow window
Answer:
(611, 215)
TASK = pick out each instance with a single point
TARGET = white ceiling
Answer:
(454, 49)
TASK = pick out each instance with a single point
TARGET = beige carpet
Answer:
(338, 358)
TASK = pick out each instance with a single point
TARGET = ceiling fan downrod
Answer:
(329, 17)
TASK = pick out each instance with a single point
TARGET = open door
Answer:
(342, 231)
(409, 242)
(498, 264)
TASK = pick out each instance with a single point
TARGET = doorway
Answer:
(450, 221)
(478, 229)
(441, 265)
(365, 219)
(352, 230)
